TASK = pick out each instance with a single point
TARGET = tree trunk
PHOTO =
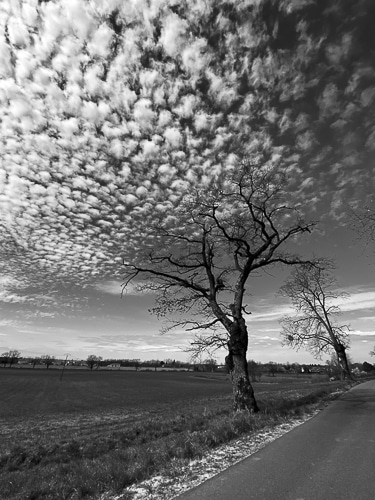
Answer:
(343, 362)
(243, 392)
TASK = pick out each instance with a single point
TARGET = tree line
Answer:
(14, 357)
(256, 370)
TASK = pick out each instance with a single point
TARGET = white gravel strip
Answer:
(184, 477)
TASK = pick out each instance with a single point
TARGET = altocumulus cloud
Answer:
(112, 111)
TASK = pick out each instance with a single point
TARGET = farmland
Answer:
(102, 430)
(26, 392)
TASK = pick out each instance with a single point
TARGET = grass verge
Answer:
(82, 457)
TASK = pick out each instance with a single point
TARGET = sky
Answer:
(96, 140)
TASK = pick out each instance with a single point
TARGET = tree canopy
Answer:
(201, 257)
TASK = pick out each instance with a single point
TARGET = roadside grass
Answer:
(81, 456)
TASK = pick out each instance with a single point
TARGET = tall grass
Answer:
(76, 460)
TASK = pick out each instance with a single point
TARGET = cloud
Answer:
(115, 287)
(274, 313)
(266, 338)
(130, 130)
(360, 333)
(126, 343)
(358, 299)
(32, 331)
(173, 33)
(110, 287)
(7, 286)
(157, 348)
(366, 318)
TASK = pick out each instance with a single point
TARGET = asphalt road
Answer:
(330, 457)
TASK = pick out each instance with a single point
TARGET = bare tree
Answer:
(333, 367)
(10, 357)
(35, 361)
(210, 364)
(363, 222)
(255, 370)
(313, 292)
(4, 358)
(48, 360)
(272, 368)
(93, 361)
(372, 353)
(368, 367)
(204, 254)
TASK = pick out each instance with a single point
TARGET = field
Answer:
(100, 431)
(27, 392)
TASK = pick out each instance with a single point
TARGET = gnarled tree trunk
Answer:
(243, 392)
(343, 362)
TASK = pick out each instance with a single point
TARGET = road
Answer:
(330, 457)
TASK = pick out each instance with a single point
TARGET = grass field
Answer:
(27, 392)
(103, 430)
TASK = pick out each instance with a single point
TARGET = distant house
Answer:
(114, 366)
(317, 369)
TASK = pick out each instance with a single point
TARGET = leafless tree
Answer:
(210, 364)
(48, 360)
(204, 254)
(255, 370)
(313, 292)
(363, 222)
(4, 358)
(10, 357)
(35, 361)
(93, 361)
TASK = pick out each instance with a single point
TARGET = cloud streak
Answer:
(358, 300)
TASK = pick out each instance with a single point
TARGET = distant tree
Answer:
(296, 368)
(272, 368)
(357, 366)
(93, 361)
(4, 358)
(368, 367)
(170, 362)
(372, 353)
(255, 371)
(313, 292)
(152, 363)
(210, 364)
(333, 367)
(47, 360)
(10, 357)
(35, 361)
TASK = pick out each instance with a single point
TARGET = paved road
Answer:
(330, 457)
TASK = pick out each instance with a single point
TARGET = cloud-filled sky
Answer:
(112, 112)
